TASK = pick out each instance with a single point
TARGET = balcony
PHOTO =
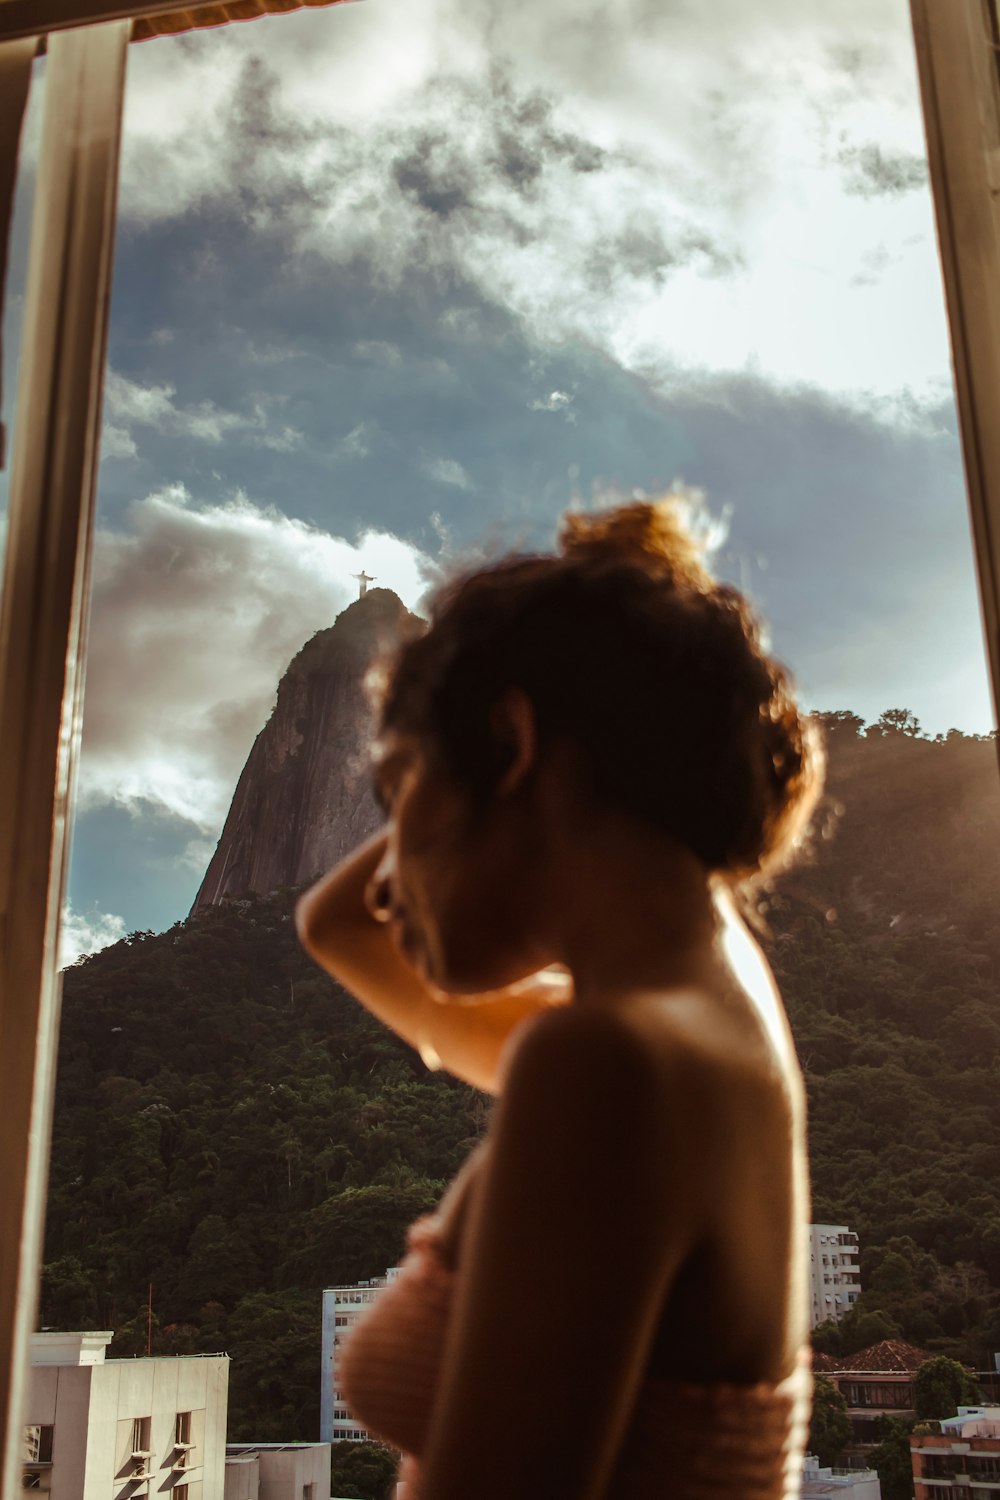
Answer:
(36, 1478)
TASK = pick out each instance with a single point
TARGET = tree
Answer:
(841, 722)
(830, 1429)
(827, 1338)
(899, 721)
(864, 1328)
(940, 1387)
(892, 1459)
(364, 1471)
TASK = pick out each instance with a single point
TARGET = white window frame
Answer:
(957, 61)
(42, 636)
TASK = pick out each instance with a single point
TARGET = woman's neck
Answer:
(630, 909)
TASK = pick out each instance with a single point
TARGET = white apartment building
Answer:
(342, 1307)
(277, 1471)
(107, 1429)
(844, 1484)
(834, 1278)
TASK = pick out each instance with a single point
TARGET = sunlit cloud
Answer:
(86, 932)
(198, 609)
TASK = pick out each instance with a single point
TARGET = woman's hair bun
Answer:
(627, 647)
(660, 536)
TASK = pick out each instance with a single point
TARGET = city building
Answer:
(845, 1484)
(342, 1307)
(277, 1471)
(98, 1428)
(875, 1382)
(834, 1278)
(960, 1458)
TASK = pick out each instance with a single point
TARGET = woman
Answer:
(580, 760)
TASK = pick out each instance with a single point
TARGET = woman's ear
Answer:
(512, 721)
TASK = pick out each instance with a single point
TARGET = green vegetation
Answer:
(830, 1428)
(233, 1129)
(364, 1470)
(892, 1459)
(940, 1387)
(887, 950)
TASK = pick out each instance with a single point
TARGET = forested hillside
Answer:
(231, 1128)
(888, 951)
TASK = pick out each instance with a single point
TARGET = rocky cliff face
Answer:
(304, 797)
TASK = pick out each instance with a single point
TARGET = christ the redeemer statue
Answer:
(364, 579)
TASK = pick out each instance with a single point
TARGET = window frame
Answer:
(48, 547)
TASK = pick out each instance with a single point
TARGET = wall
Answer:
(243, 1478)
(92, 1408)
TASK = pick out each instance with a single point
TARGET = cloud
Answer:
(356, 443)
(554, 401)
(89, 932)
(447, 471)
(665, 185)
(517, 198)
(128, 405)
(197, 611)
(874, 173)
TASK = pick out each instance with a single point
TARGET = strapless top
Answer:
(684, 1441)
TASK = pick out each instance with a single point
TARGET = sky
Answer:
(396, 284)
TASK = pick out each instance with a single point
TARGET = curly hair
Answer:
(627, 646)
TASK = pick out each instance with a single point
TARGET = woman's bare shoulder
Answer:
(617, 1062)
(648, 1065)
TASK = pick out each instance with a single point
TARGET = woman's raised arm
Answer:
(466, 1037)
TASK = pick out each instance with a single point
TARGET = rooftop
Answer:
(888, 1357)
(81, 1348)
(240, 1450)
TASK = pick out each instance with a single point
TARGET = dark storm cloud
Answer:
(414, 400)
(515, 141)
(871, 172)
(847, 524)
(435, 178)
(639, 250)
(475, 170)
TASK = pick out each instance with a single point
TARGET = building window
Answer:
(140, 1437)
(308, 1492)
(38, 1445)
(179, 1492)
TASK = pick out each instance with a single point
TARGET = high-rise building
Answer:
(96, 1425)
(834, 1278)
(342, 1307)
(97, 1428)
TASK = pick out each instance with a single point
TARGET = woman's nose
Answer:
(378, 895)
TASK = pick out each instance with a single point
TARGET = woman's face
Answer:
(452, 885)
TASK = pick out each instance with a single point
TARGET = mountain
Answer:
(304, 798)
